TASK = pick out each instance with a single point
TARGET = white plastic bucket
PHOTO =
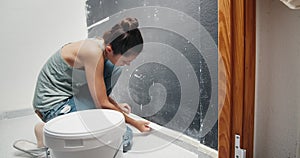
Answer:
(93, 133)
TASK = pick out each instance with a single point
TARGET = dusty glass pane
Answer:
(173, 82)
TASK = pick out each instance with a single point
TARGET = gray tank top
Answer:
(58, 81)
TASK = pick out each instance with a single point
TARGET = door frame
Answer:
(236, 79)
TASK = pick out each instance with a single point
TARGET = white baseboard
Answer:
(16, 113)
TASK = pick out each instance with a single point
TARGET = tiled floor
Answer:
(145, 145)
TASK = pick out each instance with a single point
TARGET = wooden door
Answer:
(236, 75)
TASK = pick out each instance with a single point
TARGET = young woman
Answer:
(92, 63)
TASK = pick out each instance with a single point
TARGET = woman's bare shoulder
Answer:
(80, 52)
(89, 53)
(89, 48)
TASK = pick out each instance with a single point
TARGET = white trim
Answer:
(98, 23)
(188, 141)
(16, 113)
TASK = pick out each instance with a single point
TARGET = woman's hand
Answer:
(125, 107)
(142, 125)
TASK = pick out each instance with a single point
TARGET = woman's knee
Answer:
(39, 127)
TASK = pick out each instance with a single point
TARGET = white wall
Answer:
(31, 31)
(278, 81)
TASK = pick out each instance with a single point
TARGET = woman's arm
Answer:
(123, 106)
(94, 67)
(139, 124)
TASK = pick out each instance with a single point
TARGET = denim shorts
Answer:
(62, 108)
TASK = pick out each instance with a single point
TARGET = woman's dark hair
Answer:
(125, 36)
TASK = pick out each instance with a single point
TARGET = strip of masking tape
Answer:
(98, 23)
(154, 126)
